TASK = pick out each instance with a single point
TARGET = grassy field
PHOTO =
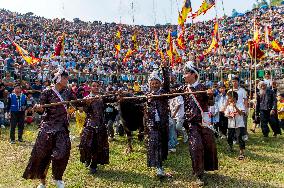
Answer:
(262, 167)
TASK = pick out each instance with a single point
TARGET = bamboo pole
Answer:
(123, 98)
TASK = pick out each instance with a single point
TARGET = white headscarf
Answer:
(260, 84)
(155, 76)
(57, 76)
(190, 66)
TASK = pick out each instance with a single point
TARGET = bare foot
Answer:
(128, 150)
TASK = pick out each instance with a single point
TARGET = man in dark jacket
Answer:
(17, 103)
(110, 115)
(266, 106)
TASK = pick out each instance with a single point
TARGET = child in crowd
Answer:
(236, 126)
(2, 115)
(80, 117)
(280, 110)
(29, 115)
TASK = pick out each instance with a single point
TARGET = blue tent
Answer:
(264, 7)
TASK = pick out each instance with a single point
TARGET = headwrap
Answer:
(260, 83)
(189, 66)
(57, 76)
(155, 76)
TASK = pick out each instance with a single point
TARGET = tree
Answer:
(276, 2)
(259, 3)
(263, 2)
(234, 13)
(76, 20)
(29, 14)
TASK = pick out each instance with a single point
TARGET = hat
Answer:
(189, 67)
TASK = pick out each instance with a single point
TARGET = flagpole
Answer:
(132, 8)
(218, 33)
(255, 61)
(223, 8)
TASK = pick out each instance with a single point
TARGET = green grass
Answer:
(263, 166)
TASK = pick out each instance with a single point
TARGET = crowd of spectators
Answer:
(89, 46)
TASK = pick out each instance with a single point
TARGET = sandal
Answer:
(241, 157)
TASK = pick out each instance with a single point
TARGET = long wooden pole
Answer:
(123, 98)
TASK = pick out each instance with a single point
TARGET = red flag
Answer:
(276, 46)
(30, 59)
(205, 6)
(254, 50)
(117, 46)
(170, 48)
(180, 39)
(59, 48)
(214, 43)
(184, 12)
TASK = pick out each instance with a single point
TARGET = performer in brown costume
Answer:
(202, 145)
(157, 119)
(53, 142)
(94, 146)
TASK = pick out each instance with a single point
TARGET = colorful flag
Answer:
(170, 47)
(59, 48)
(177, 54)
(117, 50)
(25, 55)
(276, 46)
(118, 34)
(205, 6)
(128, 55)
(180, 39)
(215, 39)
(184, 12)
(216, 28)
(134, 41)
(256, 36)
(133, 48)
(117, 46)
(254, 50)
(213, 45)
(271, 42)
(157, 49)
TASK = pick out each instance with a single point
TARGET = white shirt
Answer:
(236, 121)
(144, 88)
(173, 105)
(221, 102)
(242, 95)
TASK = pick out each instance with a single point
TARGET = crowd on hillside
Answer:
(89, 46)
